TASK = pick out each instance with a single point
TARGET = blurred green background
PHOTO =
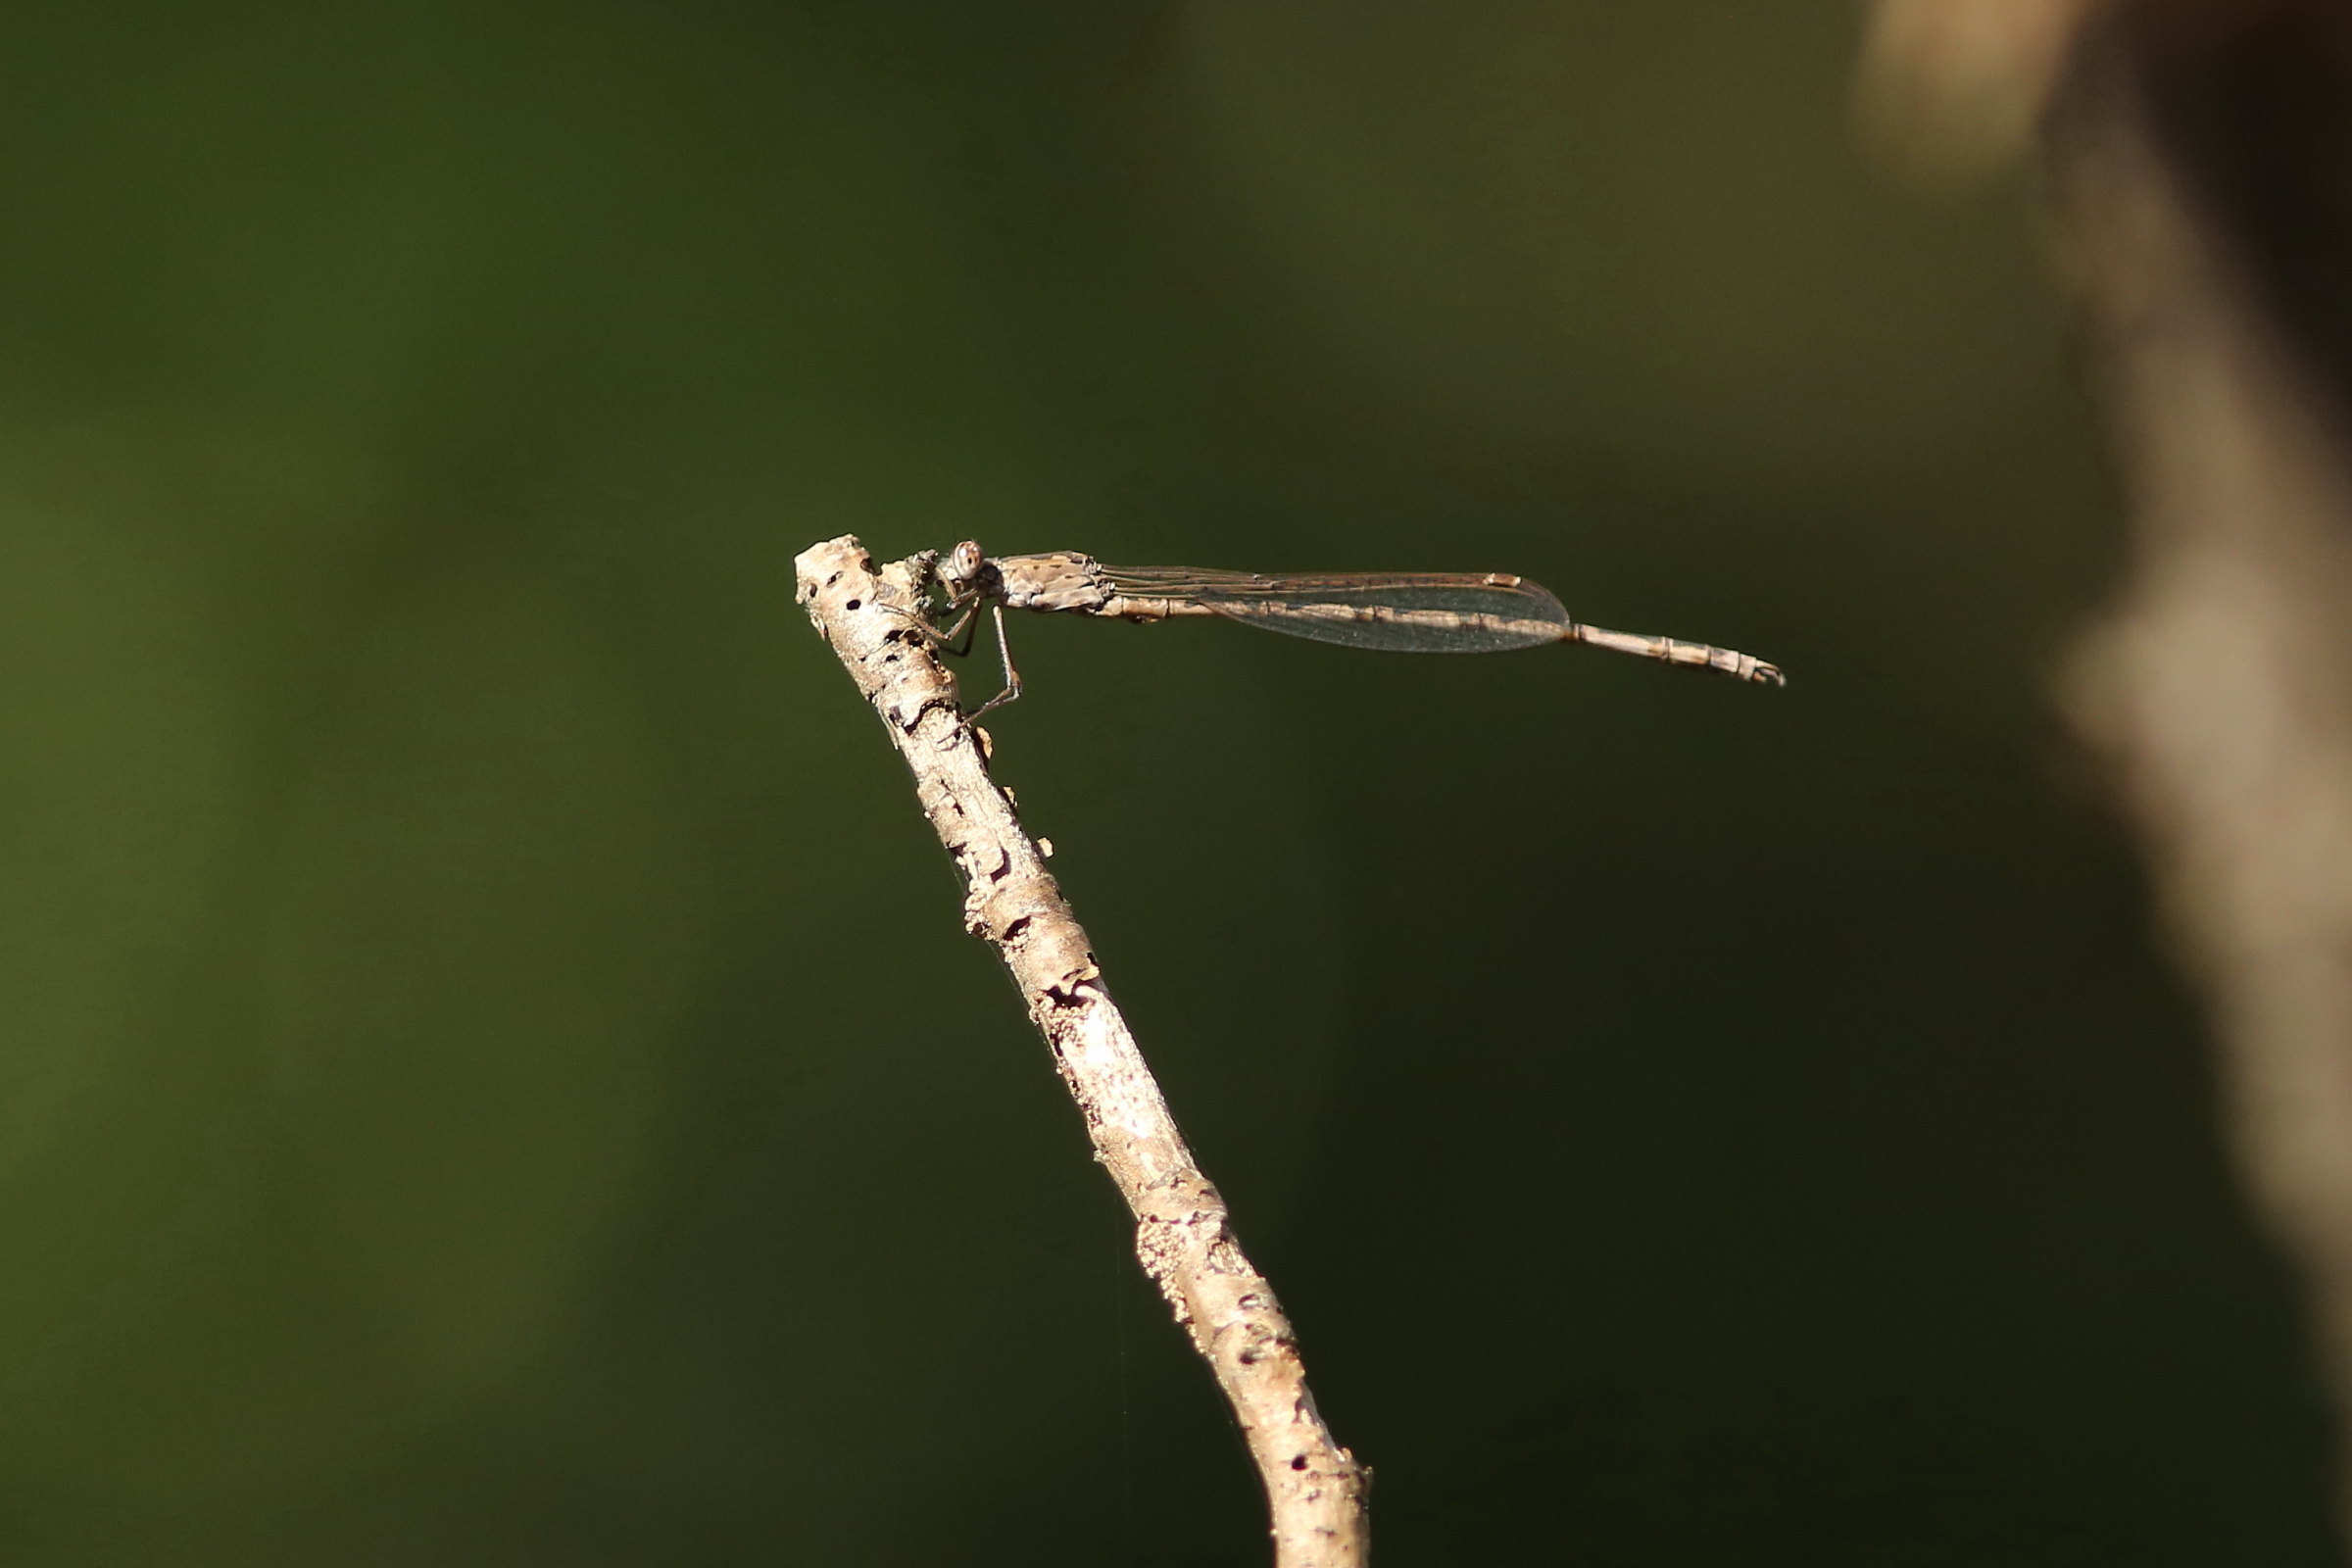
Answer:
(492, 1071)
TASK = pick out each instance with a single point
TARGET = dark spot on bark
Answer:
(928, 705)
(1013, 932)
(830, 581)
(1298, 1462)
(854, 604)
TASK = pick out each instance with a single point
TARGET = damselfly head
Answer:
(962, 564)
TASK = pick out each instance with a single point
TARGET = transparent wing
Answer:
(1414, 612)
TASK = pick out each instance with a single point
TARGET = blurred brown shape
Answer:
(1949, 89)
(2200, 174)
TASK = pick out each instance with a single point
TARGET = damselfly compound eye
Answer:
(963, 562)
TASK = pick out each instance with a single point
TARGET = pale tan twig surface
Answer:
(2200, 173)
(1315, 1489)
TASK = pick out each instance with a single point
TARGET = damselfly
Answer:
(1413, 612)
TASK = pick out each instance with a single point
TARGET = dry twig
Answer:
(1314, 1488)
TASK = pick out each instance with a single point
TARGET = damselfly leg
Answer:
(1012, 676)
(955, 640)
(966, 601)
